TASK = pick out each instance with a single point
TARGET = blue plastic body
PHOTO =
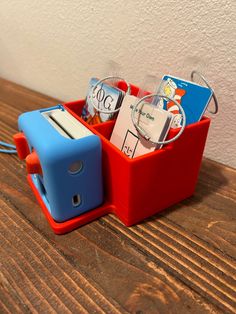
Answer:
(59, 187)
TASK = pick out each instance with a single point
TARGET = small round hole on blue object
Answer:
(75, 167)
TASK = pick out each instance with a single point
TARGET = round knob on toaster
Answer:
(33, 163)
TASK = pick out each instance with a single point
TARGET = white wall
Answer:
(56, 46)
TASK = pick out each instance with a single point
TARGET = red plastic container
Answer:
(138, 188)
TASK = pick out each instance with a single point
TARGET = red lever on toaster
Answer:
(33, 163)
(21, 145)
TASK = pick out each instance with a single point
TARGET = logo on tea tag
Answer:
(103, 96)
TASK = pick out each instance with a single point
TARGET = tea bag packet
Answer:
(155, 121)
(192, 97)
(103, 96)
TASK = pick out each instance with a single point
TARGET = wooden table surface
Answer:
(180, 261)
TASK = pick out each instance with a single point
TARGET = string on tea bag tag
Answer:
(144, 134)
(196, 73)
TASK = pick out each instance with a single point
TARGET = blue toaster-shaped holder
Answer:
(63, 158)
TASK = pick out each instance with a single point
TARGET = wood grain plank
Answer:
(105, 267)
(211, 218)
(224, 264)
(118, 259)
(22, 98)
(9, 300)
(176, 263)
(44, 273)
(191, 259)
